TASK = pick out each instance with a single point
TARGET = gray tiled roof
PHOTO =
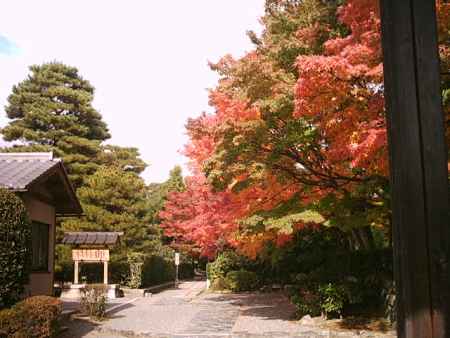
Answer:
(18, 170)
(33, 172)
(98, 238)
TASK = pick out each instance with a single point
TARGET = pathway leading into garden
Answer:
(190, 312)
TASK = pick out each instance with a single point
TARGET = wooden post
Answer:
(75, 273)
(105, 272)
(418, 160)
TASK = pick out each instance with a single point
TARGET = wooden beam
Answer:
(418, 161)
(76, 270)
(105, 272)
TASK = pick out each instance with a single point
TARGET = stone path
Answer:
(187, 312)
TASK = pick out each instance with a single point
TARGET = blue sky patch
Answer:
(7, 47)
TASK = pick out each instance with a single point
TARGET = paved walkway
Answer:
(187, 312)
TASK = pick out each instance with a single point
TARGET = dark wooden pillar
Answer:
(419, 174)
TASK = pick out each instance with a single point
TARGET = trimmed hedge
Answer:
(225, 262)
(238, 281)
(157, 270)
(34, 317)
(15, 248)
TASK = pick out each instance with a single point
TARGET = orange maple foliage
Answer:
(341, 92)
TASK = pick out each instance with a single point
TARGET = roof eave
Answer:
(76, 209)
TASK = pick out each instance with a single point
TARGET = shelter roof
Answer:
(91, 238)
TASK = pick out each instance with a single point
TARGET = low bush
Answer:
(34, 317)
(186, 271)
(307, 302)
(332, 299)
(238, 281)
(94, 300)
(329, 299)
(64, 272)
(389, 303)
(63, 263)
(157, 270)
(344, 281)
(9, 323)
(136, 262)
(219, 284)
(225, 262)
(119, 271)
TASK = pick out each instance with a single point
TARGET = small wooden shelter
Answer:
(91, 247)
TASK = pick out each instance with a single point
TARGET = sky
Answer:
(147, 59)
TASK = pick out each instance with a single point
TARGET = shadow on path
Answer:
(269, 306)
(77, 328)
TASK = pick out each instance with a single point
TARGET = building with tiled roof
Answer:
(42, 183)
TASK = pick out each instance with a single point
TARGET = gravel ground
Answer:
(188, 312)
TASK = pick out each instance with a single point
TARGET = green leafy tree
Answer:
(158, 192)
(15, 244)
(52, 110)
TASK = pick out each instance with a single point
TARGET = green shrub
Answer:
(332, 299)
(319, 257)
(15, 244)
(136, 262)
(64, 272)
(93, 300)
(9, 323)
(34, 317)
(225, 262)
(307, 302)
(219, 284)
(389, 303)
(157, 270)
(63, 263)
(119, 271)
(185, 270)
(328, 299)
(238, 281)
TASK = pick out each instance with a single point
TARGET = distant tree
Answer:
(175, 181)
(199, 217)
(158, 192)
(52, 110)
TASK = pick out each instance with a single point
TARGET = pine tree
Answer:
(115, 200)
(52, 110)
(124, 158)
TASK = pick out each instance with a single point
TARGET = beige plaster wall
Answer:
(41, 283)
